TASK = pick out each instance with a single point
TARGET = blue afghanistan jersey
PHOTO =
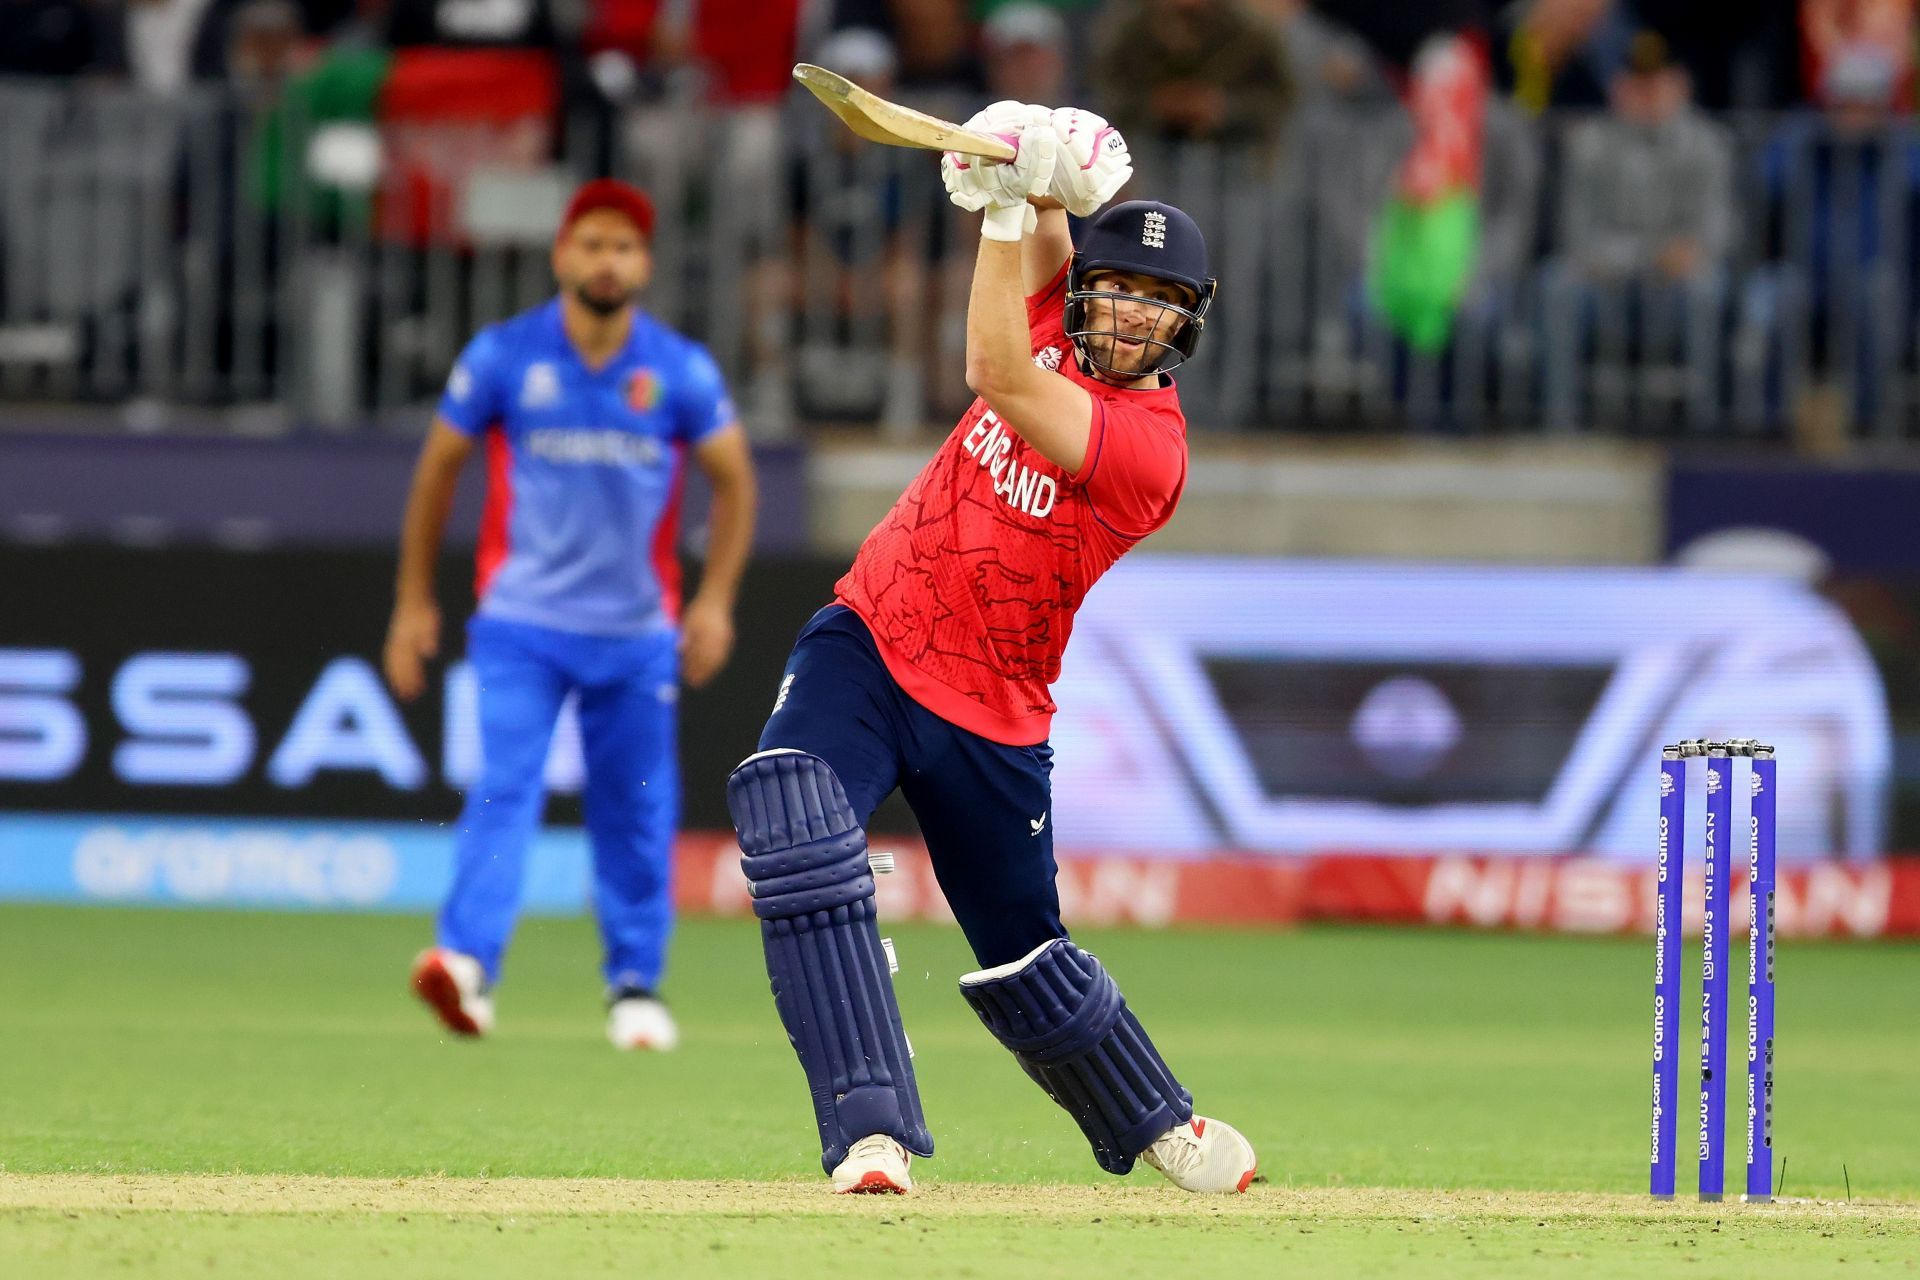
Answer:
(584, 469)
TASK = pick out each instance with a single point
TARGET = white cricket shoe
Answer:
(1204, 1155)
(875, 1165)
(641, 1022)
(454, 986)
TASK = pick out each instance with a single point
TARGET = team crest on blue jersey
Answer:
(643, 390)
(540, 388)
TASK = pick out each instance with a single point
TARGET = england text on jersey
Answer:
(1023, 488)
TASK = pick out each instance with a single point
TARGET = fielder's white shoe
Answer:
(875, 1165)
(641, 1022)
(1204, 1155)
(454, 986)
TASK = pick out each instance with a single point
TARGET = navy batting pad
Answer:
(1070, 1028)
(806, 862)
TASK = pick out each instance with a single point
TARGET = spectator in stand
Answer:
(935, 40)
(1025, 56)
(693, 92)
(1847, 44)
(524, 24)
(932, 41)
(1564, 53)
(1842, 187)
(170, 43)
(731, 53)
(1646, 226)
(841, 316)
(1509, 208)
(1193, 70)
(1648, 190)
(266, 41)
(161, 46)
(1024, 52)
(1082, 21)
(1325, 60)
(1560, 53)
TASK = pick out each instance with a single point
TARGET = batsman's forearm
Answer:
(997, 348)
(729, 538)
(422, 529)
(1045, 250)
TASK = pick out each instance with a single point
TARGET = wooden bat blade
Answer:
(877, 120)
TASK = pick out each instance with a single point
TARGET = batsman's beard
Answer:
(1113, 359)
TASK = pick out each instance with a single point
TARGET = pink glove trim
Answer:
(1093, 156)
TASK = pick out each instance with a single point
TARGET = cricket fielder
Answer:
(929, 673)
(587, 406)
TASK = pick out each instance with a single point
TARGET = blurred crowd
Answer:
(1643, 189)
(1222, 69)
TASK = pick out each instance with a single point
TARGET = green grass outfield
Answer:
(188, 1093)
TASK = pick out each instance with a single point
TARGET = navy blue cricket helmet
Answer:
(1154, 239)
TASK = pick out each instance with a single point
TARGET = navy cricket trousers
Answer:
(984, 807)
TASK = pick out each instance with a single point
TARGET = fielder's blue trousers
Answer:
(628, 688)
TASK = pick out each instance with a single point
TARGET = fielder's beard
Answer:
(603, 303)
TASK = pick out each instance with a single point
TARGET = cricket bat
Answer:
(877, 120)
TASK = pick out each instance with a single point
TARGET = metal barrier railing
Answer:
(211, 253)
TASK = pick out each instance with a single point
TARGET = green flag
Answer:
(1422, 260)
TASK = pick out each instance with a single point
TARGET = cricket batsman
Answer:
(929, 672)
(587, 407)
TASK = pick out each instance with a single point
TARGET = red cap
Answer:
(611, 193)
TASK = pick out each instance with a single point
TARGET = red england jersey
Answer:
(971, 582)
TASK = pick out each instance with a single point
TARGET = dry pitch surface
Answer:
(163, 1226)
(253, 1194)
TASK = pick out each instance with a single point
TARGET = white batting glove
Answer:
(1002, 187)
(969, 182)
(1091, 164)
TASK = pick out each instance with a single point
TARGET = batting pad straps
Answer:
(1070, 1028)
(805, 858)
